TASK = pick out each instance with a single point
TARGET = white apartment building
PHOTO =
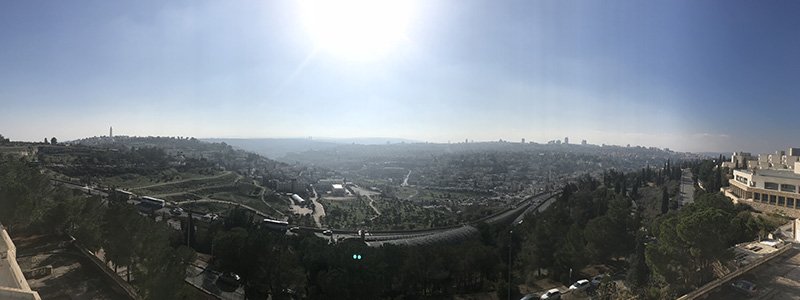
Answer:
(780, 160)
(779, 188)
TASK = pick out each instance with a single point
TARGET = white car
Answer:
(551, 294)
(580, 285)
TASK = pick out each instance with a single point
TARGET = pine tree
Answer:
(664, 200)
(638, 272)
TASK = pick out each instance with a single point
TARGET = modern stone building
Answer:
(770, 187)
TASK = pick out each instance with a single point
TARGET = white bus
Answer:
(153, 202)
(276, 225)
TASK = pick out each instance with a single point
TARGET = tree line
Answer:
(151, 251)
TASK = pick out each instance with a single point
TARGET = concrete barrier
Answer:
(703, 290)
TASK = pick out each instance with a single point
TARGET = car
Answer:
(596, 280)
(210, 217)
(294, 228)
(530, 297)
(580, 285)
(744, 287)
(176, 211)
(327, 232)
(230, 278)
(551, 294)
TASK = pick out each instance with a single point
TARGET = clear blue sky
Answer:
(689, 75)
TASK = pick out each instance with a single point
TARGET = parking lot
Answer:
(777, 279)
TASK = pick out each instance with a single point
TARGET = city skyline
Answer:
(682, 75)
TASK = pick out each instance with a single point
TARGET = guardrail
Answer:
(703, 290)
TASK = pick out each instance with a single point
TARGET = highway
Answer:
(451, 233)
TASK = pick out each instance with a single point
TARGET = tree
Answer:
(228, 247)
(24, 194)
(690, 241)
(638, 272)
(53, 141)
(664, 200)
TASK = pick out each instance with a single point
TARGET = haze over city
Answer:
(688, 75)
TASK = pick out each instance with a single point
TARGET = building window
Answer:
(790, 202)
(757, 196)
(773, 199)
(781, 201)
(788, 188)
(771, 186)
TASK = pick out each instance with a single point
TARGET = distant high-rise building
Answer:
(566, 140)
(794, 151)
(111, 131)
(583, 142)
(523, 140)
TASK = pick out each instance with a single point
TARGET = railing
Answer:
(720, 281)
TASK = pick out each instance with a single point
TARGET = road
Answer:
(264, 194)
(687, 188)
(319, 209)
(87, 189)
(454, 233)
(405, 181)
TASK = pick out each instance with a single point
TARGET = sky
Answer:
(688, 75)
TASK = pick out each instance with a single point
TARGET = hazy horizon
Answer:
(716, 76)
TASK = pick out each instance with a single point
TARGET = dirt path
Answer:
(368, 194)
(263, 194)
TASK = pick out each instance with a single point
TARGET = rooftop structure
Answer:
(13, 285)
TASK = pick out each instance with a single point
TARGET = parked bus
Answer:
(152, 202)
(276, 225)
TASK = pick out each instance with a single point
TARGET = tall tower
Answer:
(110, 131)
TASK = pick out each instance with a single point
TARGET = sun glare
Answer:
(357, 29)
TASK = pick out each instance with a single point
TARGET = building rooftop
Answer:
(787, 174)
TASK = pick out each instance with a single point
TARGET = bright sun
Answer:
(357, 29)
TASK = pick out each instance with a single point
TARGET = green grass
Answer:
(187, 185)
